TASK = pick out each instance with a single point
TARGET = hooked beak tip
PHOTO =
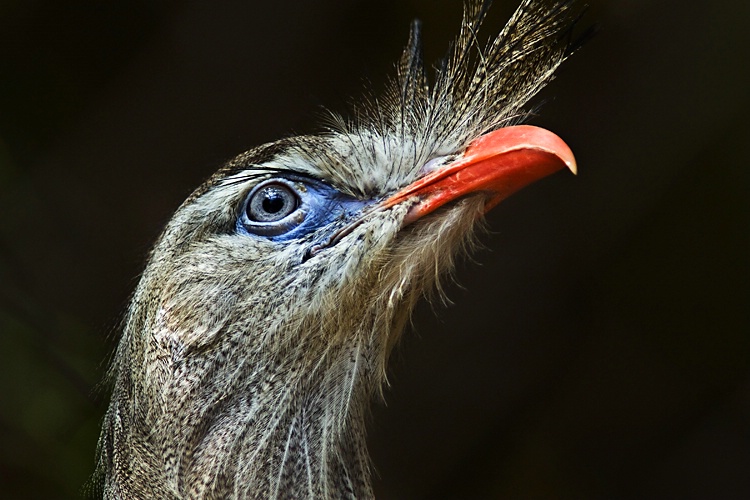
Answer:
(572, 166)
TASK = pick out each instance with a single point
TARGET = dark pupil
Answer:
(273, 201)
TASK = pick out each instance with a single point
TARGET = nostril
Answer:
(435, 164)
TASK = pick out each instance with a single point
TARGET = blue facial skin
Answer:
(318, 205)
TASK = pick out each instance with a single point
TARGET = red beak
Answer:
(499, 164)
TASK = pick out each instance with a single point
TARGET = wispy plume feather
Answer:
(478, 87)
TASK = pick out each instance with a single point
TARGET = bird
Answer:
(261, 328)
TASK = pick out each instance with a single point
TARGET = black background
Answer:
(599, 346)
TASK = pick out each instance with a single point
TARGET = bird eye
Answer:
(273, 208)
(291, 206)
(271, 203)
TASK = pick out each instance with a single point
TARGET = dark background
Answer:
(598, 348)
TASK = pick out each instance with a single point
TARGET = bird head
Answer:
(263, 322)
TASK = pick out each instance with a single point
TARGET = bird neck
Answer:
(275, 430)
